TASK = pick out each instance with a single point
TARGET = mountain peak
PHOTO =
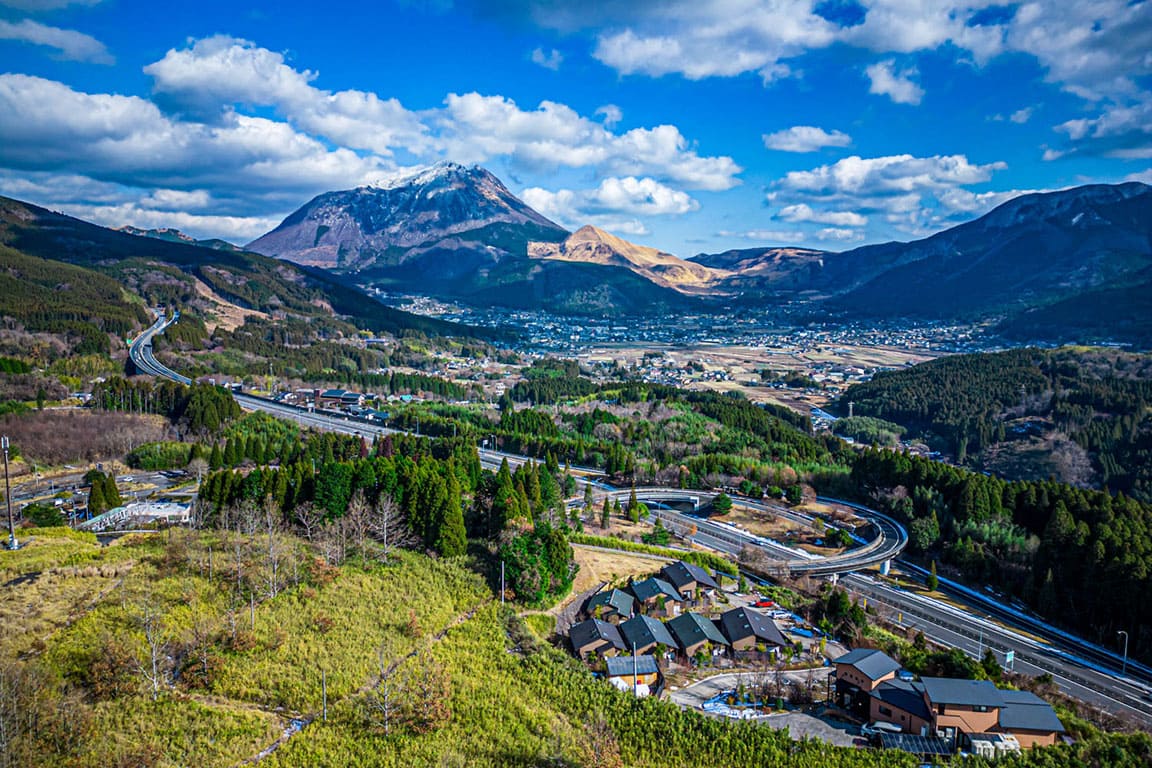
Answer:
(423, 176)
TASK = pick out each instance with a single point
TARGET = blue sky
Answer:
(690, 126)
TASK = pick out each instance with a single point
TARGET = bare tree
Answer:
(389, 526)
(309, 518)
(357, 520)
(154, 664)
(381, 704)
(274, 546)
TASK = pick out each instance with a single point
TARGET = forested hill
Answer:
(1082, 415)
(162, 272)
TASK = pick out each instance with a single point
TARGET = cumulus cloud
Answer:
(913, 194)
(70, 44)
(800, 212)
(898, 86)
(128, 140)
(548, 59)
(894, 174)
(610, 114)
(1119, 131)
(613, 200)
(212, 76)
(477, 128)
(805, 138)
(715, 38)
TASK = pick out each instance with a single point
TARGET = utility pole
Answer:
(8, 497)
(1123, 668)
(501, 583)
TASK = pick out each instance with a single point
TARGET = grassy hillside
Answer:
(160, 269)
(471, 686)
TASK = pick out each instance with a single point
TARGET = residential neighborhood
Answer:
(681, 624)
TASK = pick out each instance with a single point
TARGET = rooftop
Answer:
(1025, 711)
(652, 588)
(680, 574)
(739, 623)
(968, 693)
(871, 663)
(623, 665)
(908, 697)
(692, 628)
(594, 630)
(642, 631)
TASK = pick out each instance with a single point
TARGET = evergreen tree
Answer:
(451, 540)
(606, 514)
(932, 582)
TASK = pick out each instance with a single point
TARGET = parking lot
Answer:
(800, 725)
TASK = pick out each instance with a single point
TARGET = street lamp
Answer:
(8, 496)
(1123, 668)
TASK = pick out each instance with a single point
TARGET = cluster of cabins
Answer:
(656, 617)
(940, 715)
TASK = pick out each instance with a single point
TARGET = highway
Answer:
(1080, 668)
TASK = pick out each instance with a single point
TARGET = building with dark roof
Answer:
(746, 628)
(657, 597)
(612, 605)
(857, 674)
(687, 578)
(957, 710)
(692, 631)
(1029, 718)
(645, 633)
(901, 702)
(595, 637)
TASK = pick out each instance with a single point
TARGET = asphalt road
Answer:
(1095, 681)
(1035, 653)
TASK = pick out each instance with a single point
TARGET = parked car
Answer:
(765, 604)
(875, 729)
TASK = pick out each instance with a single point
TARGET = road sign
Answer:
(1009, 657)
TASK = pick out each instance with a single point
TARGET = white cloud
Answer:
(914, 194)
(236, 229)
(788, 236)
(1144, 177)
(216, 74)
(610, 114)
(548, 59)
(1119, 131)
(1052, 154)
(45, 125)
(477, 128)
(898, 86)
(714, 38)
(801, 212)
(894, 174)
(1021, 116)
(805, 138)
(72, 45)
(614, 197)
(839, 235)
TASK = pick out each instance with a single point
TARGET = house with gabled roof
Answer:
(857, 674)
(656, 597)
(613, 605)
(693, 631)
(644, 634)
(746, 628)
(1029, 718)
(595, 637)
(687, 579)
(634, 673)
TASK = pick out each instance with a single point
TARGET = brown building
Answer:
(657, 597)
(595, 637)
(612, 605)
(747, 628)
(858, 673)
(689, 580)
